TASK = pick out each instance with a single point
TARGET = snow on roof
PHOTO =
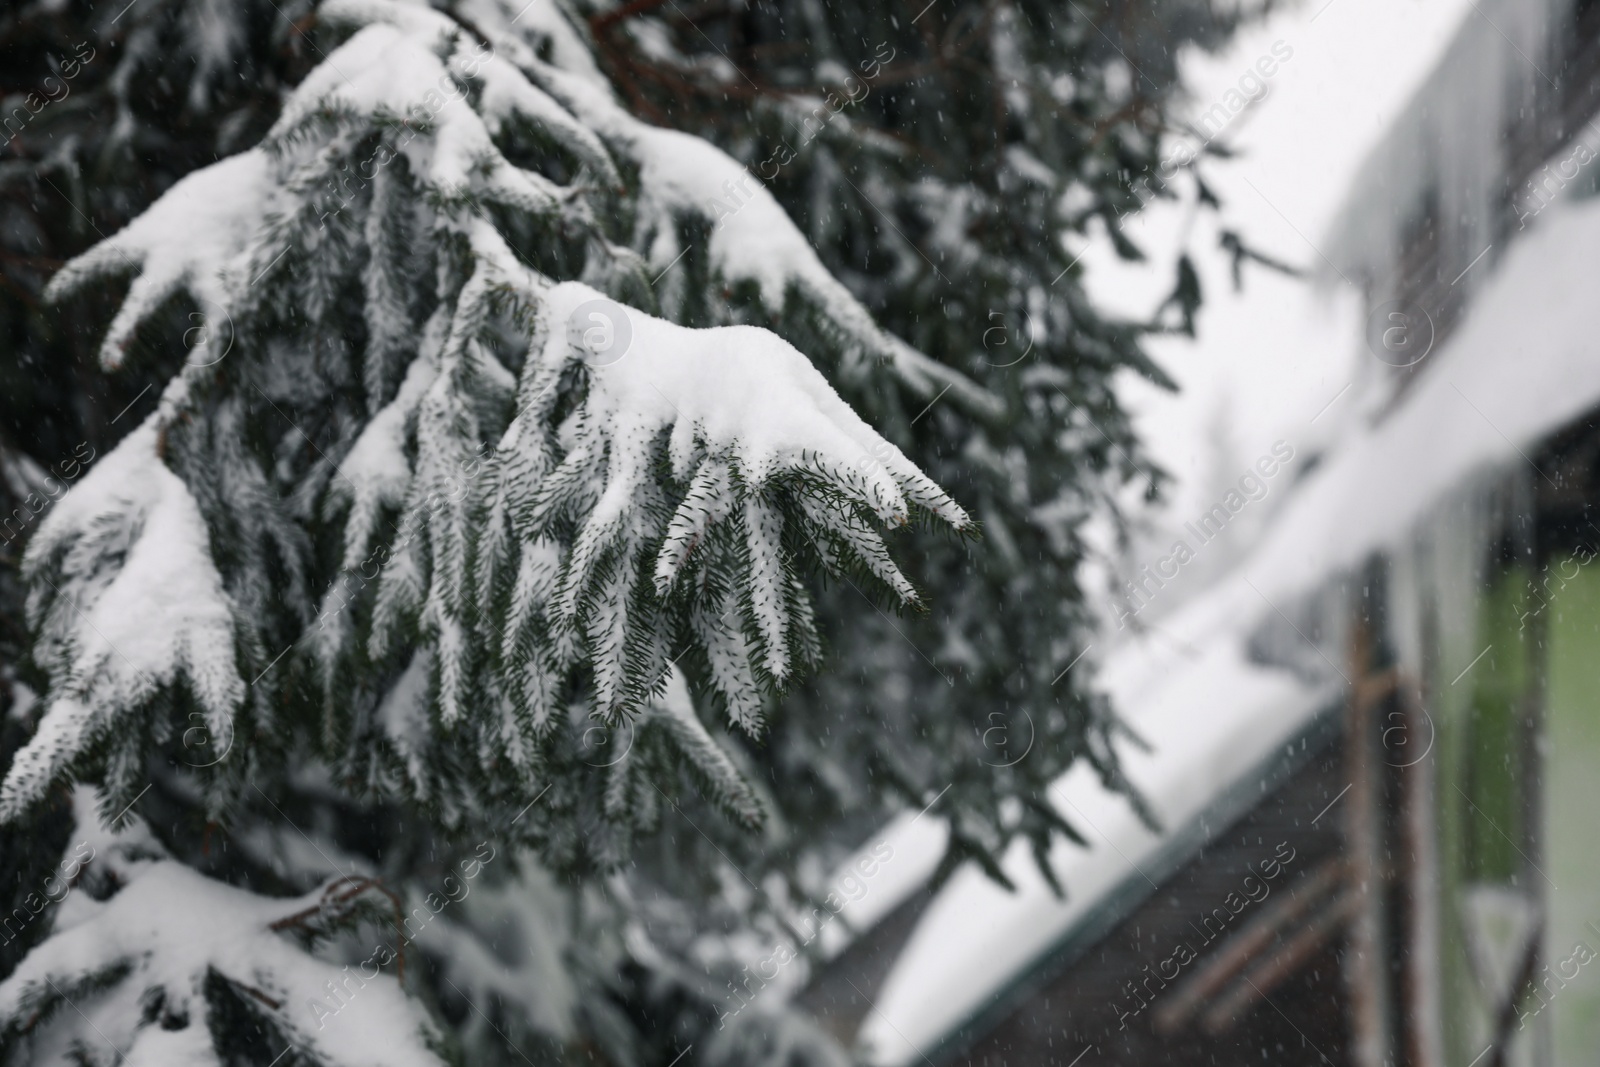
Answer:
(915, 843)
(1451, 139)
(1212, 718)
(1522, 364)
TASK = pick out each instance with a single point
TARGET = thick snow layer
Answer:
(1451, 139)
(194, 238)
(1522, 365)
(162, 614)
(740, 407)
(1212, 718)
(385, 68)
(742, 391)
(169, 928)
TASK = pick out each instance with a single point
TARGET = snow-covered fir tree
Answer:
(438, 652)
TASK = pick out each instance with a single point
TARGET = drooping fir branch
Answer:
(148, 956)
(528, 524)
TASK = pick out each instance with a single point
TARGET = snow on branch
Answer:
(760, 445)
(131, 969)
(125, 602)
(195, 239)
(681, 177)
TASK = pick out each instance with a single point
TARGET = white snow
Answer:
(386, 69)
(734, 397)
(535, 975)
(746, 393)
(171, 926)
(197, 237)
(403, 713)
(915, 843)
(1452, 138)
(113, 635)
(376, 471)
(508, 95)
(1522, 363)
(680, 175)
